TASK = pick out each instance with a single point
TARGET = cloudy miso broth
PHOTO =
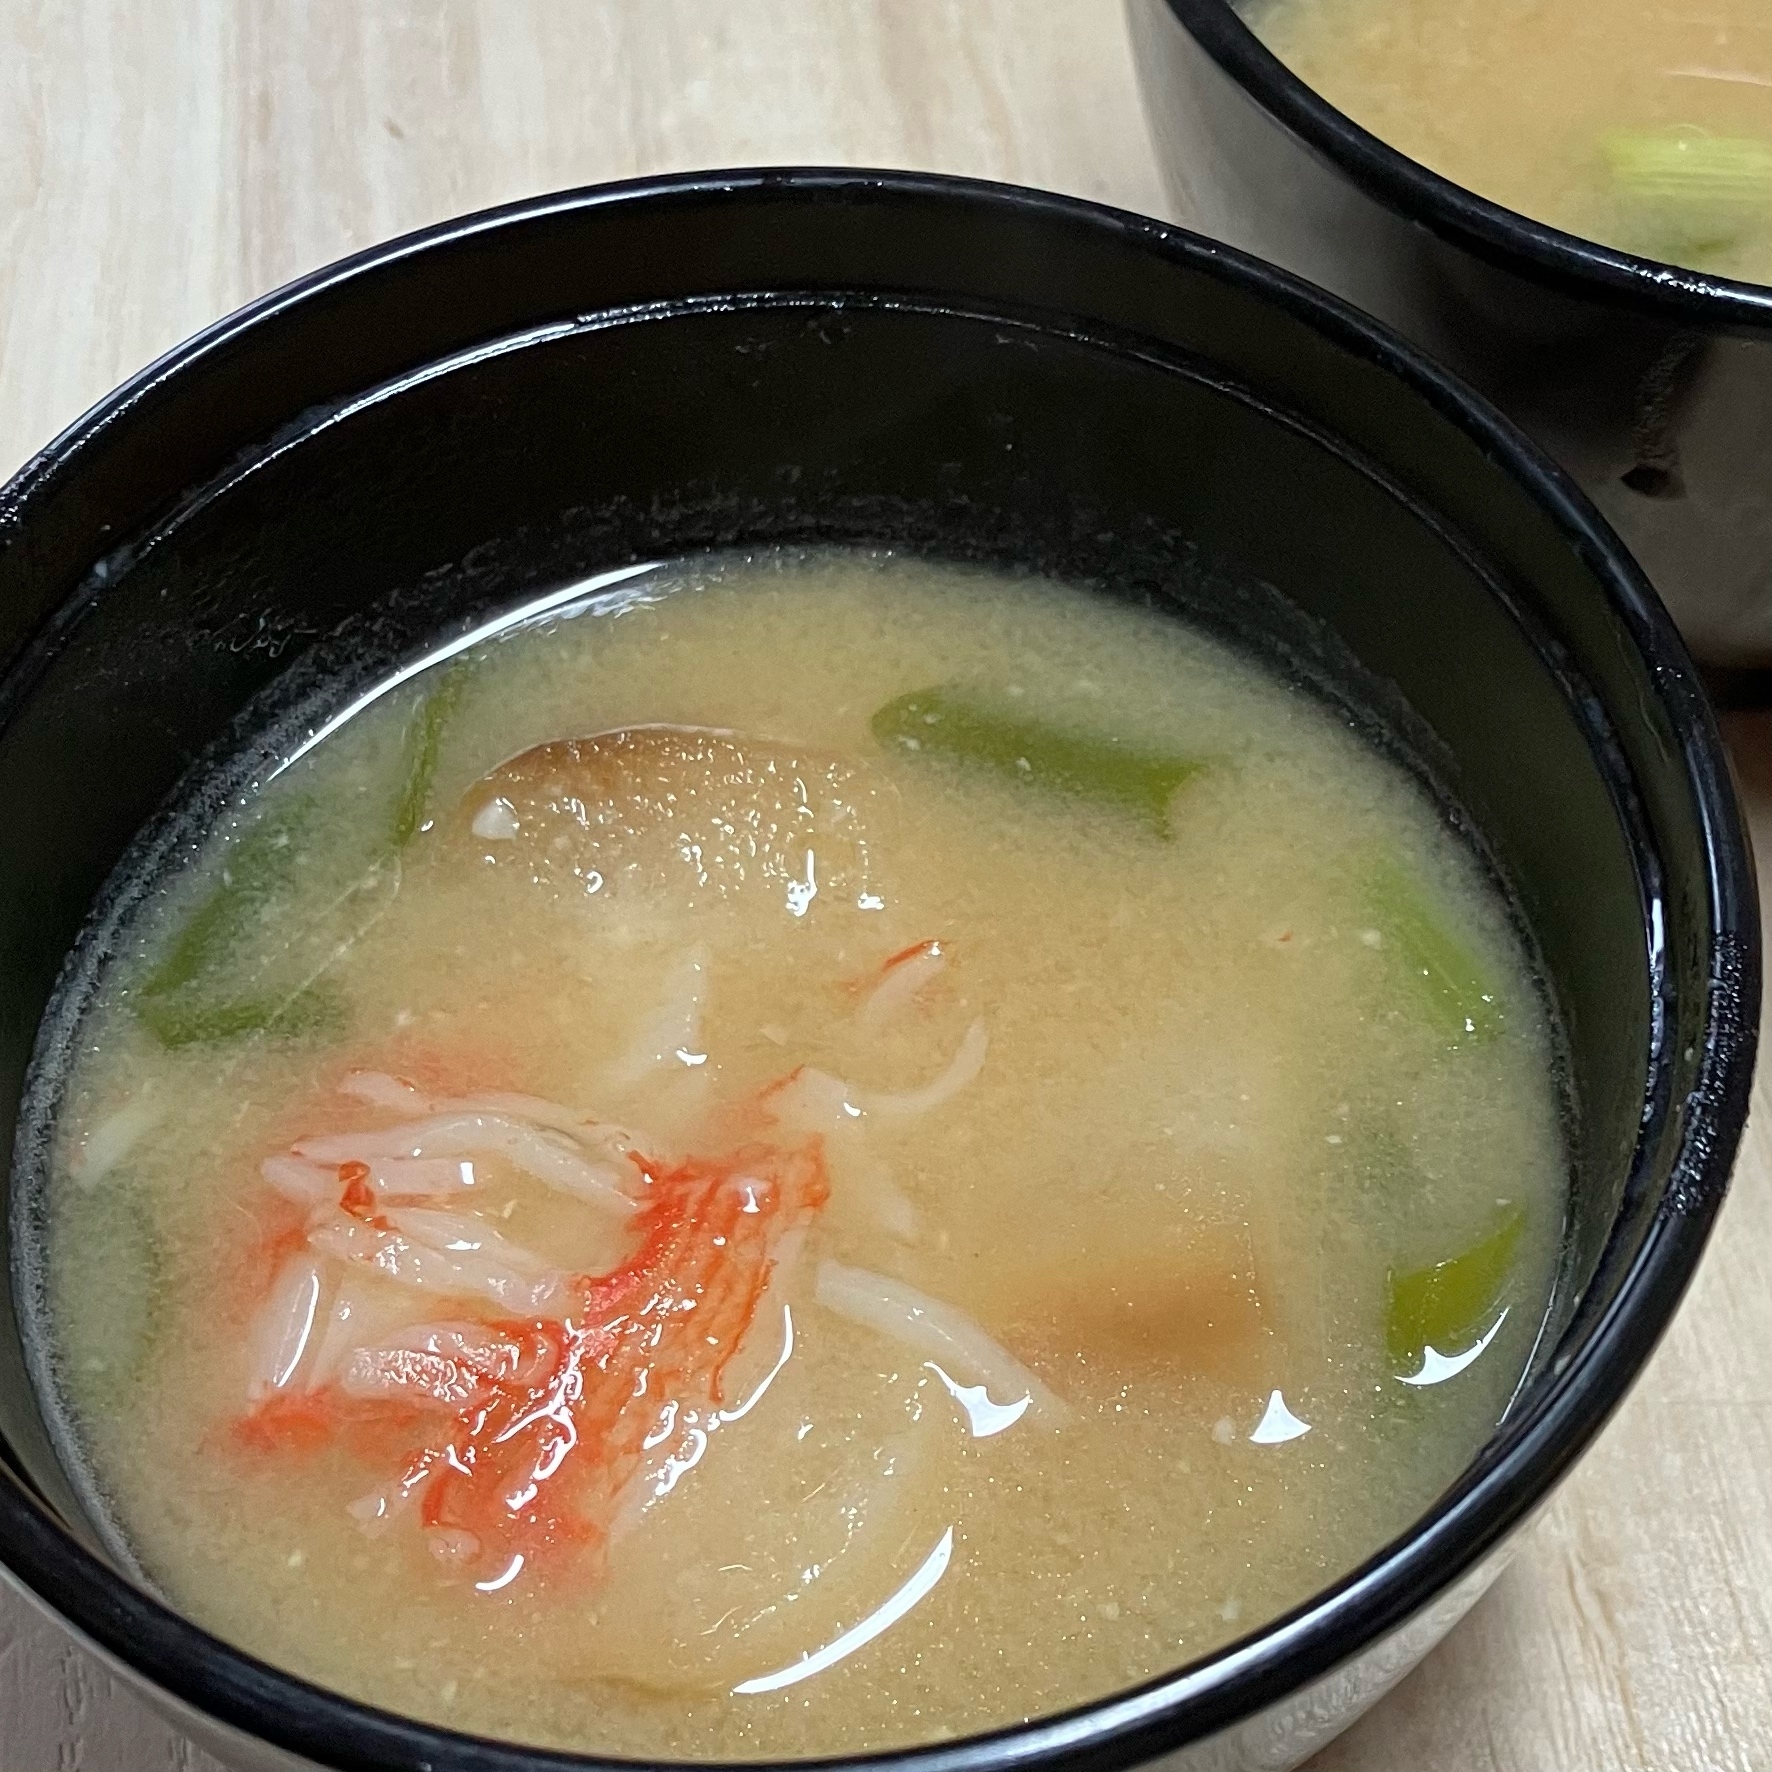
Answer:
(813, 1154)
(1624, 121)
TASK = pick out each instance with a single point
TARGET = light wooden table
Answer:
(161, 163)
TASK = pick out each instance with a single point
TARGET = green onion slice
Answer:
(1446, 1305)
(972, 728)
(1452, 984)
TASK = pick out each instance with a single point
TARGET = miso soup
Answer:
(802, 1155)
(1646, 127)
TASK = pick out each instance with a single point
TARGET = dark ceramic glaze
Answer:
(431, 431)
(1652, 384)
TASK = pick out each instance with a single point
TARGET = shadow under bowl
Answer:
(427, 434)
(1652, 384)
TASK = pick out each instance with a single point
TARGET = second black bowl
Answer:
(435, 429)
(1651, 383)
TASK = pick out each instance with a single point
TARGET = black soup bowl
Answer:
(407, 443)
(1651, 383)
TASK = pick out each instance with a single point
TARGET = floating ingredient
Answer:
(177, 1001)
(1453, 985)
(424, 739)
(1094, 766)
(1445, 1305)
(1685, 192)
(184, 1019)
(259, 865)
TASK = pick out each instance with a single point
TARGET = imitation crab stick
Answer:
(551, 1412)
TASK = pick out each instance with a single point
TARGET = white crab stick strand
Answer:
(459, 1233)
(380, 1089)
(466, 1266)
(284, 1326)
(448, 1365)
(414, 1176)
(365, 1311)
(547, 1156)
(610, 1141)
(316, 1184)
(900, 983)
(934, 1330)
(967, 1062)
(816, 1101)
(307, 1184)
(377, 1510)
(672, 1033)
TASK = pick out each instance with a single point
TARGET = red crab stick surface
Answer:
(549, 1419)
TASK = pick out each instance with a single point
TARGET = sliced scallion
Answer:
(973, 728)
(424, 739)
(1445, 1305)
(1686, 192)
(1451, 983)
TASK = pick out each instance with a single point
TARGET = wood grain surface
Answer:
(161, 163)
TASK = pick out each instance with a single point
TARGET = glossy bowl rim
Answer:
(1575, 265)
(1519, 1466)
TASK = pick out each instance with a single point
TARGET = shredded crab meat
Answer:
(900, 979)
(666, 1323)
(907, 1104)
(934, 1330)
(549, 1408)
(455, 1233)
(680, 1437)
(448, 1366)
(307, 1184)
(671, 1035)
(284, 1326)
(383, 1090)
(711, 1235)
(375, 1511)
(388, 1178)
(408, 1256)
(359, 1309)
(811, 1100)
(816, 1101)
(548, 1157)
(560, 1402)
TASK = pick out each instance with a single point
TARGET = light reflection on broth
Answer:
(1622, 121)
(841, 1153)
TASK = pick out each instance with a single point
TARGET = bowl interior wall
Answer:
(974, 436)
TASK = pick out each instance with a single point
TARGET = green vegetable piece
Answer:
(1454, 987)
(423, 739)
(175, 1002)
(1445, 1306)
(958, 724)
(187, 1018)
(257, 866)
(1685, 191)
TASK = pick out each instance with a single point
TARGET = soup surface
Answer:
(1639, 125)
(804, 1154)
